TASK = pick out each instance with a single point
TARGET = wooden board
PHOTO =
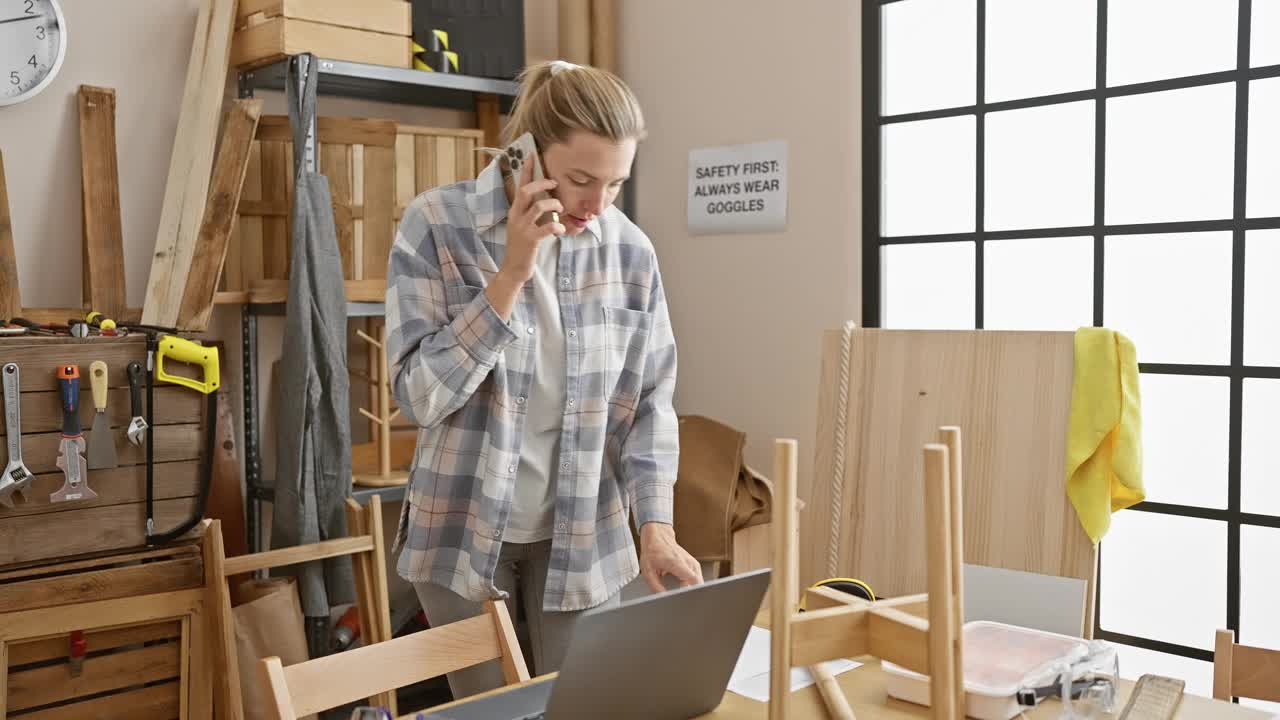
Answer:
(1010, 392)
(219, 216)
(10, 297)
(54, 648)
(277, 174)
(276, 39)
(116, 486)
(156, 701)
(42, 413)
(385, 16)
(335, 163)
(103, 528)
(332, 130)
(104, 288)
(172, 443)
(186, 190)
(379, 205)
(127, 581)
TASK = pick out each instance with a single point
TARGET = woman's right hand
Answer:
(524, 235)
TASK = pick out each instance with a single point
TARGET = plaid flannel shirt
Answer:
(450, 374)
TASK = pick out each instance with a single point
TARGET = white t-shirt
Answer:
(533, 505)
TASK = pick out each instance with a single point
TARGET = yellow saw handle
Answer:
(191, 353)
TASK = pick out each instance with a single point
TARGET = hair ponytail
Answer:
(557, 98)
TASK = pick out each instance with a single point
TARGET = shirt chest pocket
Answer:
(625, 340)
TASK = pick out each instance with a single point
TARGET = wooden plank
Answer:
(226, 500)
(100, 528)
(488, 119)
(10, 296)
(96, 641)
(100, 186)
(251, 229)
(191, 164)
(1010, 391)
(41, 412)
(406, 170)
(277, 291)
(514, 669)
(357, 198)
(335, 163)
(219, 216)
(1255, 673)
(475, 134)
(379, 205)
(274, 39)
(828, 634)
(784, 587)
(333, 131)
(44, 622)
(51, 684)
(201, 665)
(276, 171)
(465, 150)
(379, 561)
(365, 603)
(97, 561)
(39, 358)
(172, 443)
(386, 16)
(294, 555)
(446, 161)
(425, 163)
(184, 661)
(900, 638)
(128, 581)
(155, 701)
(222, 636)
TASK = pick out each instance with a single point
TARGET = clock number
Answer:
(14, 79)
(32, 61)
(40, 34)
(30, 7)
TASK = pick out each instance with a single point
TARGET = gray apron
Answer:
(313, 433)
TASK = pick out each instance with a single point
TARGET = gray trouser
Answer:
(522, 574)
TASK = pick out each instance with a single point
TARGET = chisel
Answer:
(70, 457)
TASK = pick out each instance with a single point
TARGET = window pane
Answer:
(1170, 155)
(1263, 186)
(1136, 662)
(1156, 39)
(929, 176)
(1040, 48)
(1171, 294)
(1039, 170)
(928, 286)
(1147, 559)
(1261, 298)
(928, 55)
(1040, 284)
(1259, 463)
(1259, 586)
(1264, 33)
(1184, 439)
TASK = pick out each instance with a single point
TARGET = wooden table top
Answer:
(865, 689)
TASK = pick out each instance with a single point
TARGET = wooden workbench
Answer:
(865, 688)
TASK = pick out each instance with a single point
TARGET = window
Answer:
(1038, 165)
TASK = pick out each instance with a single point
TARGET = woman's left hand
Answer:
(661, 555)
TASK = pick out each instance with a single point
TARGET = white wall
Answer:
(749, 310)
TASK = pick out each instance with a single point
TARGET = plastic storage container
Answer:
(996, 659)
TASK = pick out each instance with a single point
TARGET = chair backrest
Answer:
(1011, 390)
(1244, 671)
(334, 680)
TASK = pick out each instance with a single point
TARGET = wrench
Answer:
(16, 477)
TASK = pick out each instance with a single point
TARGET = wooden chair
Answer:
(1243, 671)
(335, 680)
(921, 633)
(366, 548)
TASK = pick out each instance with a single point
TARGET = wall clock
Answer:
(33, 42)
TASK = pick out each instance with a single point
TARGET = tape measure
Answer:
(850, 586)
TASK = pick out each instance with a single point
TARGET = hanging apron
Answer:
(313, 432)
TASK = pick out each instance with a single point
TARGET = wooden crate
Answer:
(393, 17)
(271, 41)
(146, 628)
(375, 169)
(40, 530)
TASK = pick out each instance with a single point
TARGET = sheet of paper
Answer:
(750, 676)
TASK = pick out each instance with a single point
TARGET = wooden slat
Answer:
(386, 16)
(219, 215)
(40, 358)
(820, 635)
(172, 443)
(96, 642)
(45, 622)
(157, 701)
(41, 412)
(357, 198)
(116, 486)
(335, 163)
(475, 134)
(333, 131)
(365, 603)
(251, 228)
(42, 686)
(488, 119)
(514, 669)
(295, 555)
(191, 164)
(97, 561)
(379, 204)
(425, 163)
(276, 171)
(277, 291)
(406, 170)
(466, 158)
(125, 581)
(446, 161)
(104, 528)
(900, 638)
(100, 186)
(10, 297)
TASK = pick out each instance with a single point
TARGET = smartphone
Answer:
(521, 151)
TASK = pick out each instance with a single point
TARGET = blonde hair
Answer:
(557, 98)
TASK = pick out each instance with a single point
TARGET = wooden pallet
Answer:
(39, 530)
(145, 625)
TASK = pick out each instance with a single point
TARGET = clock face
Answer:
(33, 41)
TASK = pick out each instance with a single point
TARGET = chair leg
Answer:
(943, 636)
(785, 580)
(1223, 644)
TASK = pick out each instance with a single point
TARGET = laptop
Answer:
(662, 657)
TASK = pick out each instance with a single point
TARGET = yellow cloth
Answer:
(1104, 438)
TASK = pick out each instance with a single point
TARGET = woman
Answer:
(539, 364)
